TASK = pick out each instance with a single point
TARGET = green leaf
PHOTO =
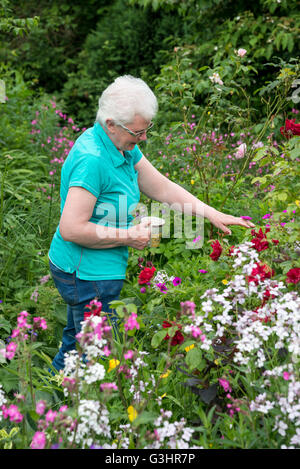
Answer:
(194, 359)
(158, 338)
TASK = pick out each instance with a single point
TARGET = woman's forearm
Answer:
(93, 236)
(180, 199)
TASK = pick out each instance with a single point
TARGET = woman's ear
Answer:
(110, 125)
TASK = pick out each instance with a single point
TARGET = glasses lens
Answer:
(138, 134)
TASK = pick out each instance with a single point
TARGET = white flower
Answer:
(94, 373)
(241, 52)
(215, 78)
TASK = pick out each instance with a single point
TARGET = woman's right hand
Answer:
(139, 235)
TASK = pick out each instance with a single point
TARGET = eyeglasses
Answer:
(137, 134)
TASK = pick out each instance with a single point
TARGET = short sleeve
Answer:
(89, 172)
(136, 155)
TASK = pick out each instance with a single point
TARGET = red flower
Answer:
(259, 241)
(95, 308)
(293, 275)
(217, 250)
(146, 275)
(178, 337)
(290, 128)
(231, 249)
(275, 241)
(260, 273)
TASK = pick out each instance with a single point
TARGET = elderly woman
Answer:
(101, 181)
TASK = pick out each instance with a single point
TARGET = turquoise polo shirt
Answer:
(95, 164)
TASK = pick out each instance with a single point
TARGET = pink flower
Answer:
(11, 350)
(40, 407)
(225, 384)
(241, 150)
(128, 355)
(13, 413)
(40, 322)
(104, 386)
(241, 52)
(106, 351)
(131, 322)
(196, 332)
(286, 375)
(38, 441)
(50, 416)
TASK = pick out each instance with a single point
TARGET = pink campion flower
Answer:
(40, 407)
(196, 332)
(131, 322)
(106, 351)
(225, 384)
(286, 375)
(105, 386)
(51, 415)
(38, 441)
(40, 322)
(241, 52)
(11, 350)
(128, 355)
(13, 413)
(15, 333)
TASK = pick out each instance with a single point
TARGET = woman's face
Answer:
(123, 140)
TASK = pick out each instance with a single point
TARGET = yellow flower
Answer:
(165, 375)
(225, 281)
(190, 347)
(208, 112)
(192, 181)
(216, 362)
(112, 364)
(132, 413)
(297, 202)
(163, 395)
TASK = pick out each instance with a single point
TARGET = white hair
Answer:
(125, 98)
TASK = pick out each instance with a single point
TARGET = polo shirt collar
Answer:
(117, 158)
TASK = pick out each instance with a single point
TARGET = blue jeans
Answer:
(77, 294)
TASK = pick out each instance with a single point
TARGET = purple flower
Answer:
(162, 287)
(202, 271)
(245, 217)
(176, 281)
(267, 215)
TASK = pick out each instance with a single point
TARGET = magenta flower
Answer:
(38, 441)
(12, 412)
(50, 416)
(176, 281)
(225, 384)
(128, 355)
(131, 322)
(202, 271)
(245, 217)
(104, 386)
(162, 287)
(40, 407)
